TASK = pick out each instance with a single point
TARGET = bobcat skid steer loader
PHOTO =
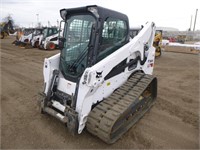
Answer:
(102, 79)
(49, 40)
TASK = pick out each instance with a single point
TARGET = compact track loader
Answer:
(6, 29)
(101, 79)
(37, 35)
(49, 40)
(157, 43)
(25, 39)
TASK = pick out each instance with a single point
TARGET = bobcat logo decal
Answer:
(99, 74)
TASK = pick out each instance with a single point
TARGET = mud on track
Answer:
(172, 123)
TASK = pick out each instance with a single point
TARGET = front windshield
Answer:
(74, 54)
(45, 31)
(27, 31)
(38, 31)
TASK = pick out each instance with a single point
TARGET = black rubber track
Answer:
(111, 118)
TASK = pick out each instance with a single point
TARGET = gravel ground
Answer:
(172, 123)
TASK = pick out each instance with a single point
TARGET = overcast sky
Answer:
(165, 13)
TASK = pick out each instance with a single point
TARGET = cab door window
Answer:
(113, 37)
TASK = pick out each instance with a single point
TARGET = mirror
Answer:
(61, 43)
(61, 39)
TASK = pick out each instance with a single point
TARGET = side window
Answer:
(114, 30)
(50, 32)
(54, 31)
(113, 37)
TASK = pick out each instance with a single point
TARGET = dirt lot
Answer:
(172, 123)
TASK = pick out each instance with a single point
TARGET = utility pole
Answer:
(49, 24)
(57, 23)
(37, 19)
(190, 29)
(195, 19)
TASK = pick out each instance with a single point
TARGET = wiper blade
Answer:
(80, 58)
